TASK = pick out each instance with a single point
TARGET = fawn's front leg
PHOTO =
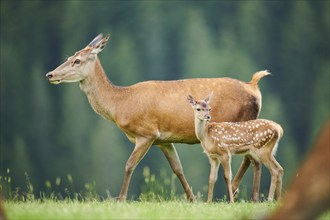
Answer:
(226, 164)
(215, 163)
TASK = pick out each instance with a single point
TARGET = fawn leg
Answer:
(215, 163)
(276, 173)
(279, 180)
(226, 164)
(174, 160)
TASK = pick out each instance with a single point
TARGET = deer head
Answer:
(78, 66)
(201, 108)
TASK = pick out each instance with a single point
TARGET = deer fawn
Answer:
(256, 138)
(149, 120)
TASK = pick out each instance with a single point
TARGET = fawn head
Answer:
(78, 66)
(201, 108)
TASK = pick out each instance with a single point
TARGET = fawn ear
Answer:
(208, 98)
(191, 100)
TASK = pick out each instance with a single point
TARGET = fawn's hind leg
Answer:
(276, 172)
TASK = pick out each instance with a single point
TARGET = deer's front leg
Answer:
(174, 160)
(239, 175)
(215, 163)
(142, 146)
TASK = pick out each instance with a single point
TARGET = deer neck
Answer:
(101, 93)
(200, 128)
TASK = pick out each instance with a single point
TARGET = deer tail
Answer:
(257, 76)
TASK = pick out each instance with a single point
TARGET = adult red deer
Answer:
(145, 113)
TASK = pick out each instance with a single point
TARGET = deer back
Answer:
(241, 136)
(150, 106)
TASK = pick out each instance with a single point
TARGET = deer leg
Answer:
(142, 146)
(239, 175)
(279, 180)
(257, 167)
(276, 173)
(215, 163)
(174, 160)
(225, 161)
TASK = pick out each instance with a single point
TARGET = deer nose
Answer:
(49, 75)
(208, 117)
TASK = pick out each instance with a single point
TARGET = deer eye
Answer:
(198, 109)
(77, 61)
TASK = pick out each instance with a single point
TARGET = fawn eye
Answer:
(198, 109)
(77, 61)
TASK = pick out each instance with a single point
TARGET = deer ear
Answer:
(191, 100)
(98, 43)
(208, 98)
(96, 40)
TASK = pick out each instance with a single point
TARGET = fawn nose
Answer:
(208, 117)
(49, 75)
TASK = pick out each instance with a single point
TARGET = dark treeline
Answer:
(50, 132)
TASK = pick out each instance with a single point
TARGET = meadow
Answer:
(133, 210)
(137, 210)
(159, 200)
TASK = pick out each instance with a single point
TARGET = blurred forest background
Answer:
(51, 133)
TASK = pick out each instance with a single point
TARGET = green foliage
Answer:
(49, 131)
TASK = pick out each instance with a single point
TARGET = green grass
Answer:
(159, 200)
(110, 209)
(133, 210)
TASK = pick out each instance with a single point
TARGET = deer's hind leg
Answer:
(247, 160)
(239, 175)
(278, 191)
(276, 172)
(257, 168)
